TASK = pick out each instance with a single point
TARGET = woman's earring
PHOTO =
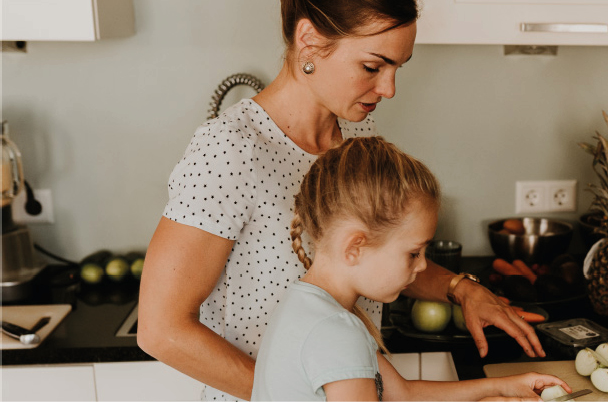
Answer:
(308, 68)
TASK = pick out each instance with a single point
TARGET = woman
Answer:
(221, 258)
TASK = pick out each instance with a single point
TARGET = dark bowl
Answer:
(543, 240)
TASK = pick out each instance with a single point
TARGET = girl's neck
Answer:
(328, 278)
(291, 105)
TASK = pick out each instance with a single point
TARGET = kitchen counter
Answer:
(88, 332)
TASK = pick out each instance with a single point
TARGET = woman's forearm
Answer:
(431, 284)
(200, 353)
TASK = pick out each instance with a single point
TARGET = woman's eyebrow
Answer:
(390, 61)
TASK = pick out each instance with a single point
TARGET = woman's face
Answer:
(361, 70)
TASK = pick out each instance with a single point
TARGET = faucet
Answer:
(226, 85)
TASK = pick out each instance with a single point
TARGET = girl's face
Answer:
(388, 269)
(361, 70)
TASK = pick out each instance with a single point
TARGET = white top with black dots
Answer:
(237, 180)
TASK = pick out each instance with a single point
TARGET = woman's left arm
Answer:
(481, 308)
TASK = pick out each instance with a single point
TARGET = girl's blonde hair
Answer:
(367, 179)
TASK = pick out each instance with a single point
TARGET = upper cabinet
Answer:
(66, 20)
(514, 22)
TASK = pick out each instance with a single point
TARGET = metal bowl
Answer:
(543, 240)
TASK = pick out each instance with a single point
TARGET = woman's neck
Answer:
(292, 107)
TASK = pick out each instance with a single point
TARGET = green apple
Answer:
(458, 318)
(137, 267)
(91, 273)
(429, 316)
(117, 269)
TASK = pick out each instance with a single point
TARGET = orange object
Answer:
(505, 268)
(514, 226)
(525, 270)
(504, 300)
(531, 318)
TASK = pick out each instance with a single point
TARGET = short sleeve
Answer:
(213, 187)
(339, 348)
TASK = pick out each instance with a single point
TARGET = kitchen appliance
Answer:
(19, 265)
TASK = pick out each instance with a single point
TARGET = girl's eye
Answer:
(370, 69)
(416, 255)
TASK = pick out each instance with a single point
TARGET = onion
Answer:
(585, 362)
(599, 379)
(602, 350)
(553, 392)
(600, 359)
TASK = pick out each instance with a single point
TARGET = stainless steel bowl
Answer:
(543, 240)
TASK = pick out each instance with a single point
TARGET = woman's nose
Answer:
(386, 86)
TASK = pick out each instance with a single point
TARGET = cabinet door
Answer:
(49, 383)
(144, 381)
(66, 20)
(514, 22)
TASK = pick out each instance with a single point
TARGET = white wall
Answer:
(102, 124)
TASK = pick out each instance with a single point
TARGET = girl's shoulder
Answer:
(364, 128)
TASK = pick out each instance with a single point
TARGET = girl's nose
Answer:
(421, 266)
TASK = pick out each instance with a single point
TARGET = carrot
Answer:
(514, 226)
(525, 270)
(503, 267)
(531, 318)
(504, 300)
(517, 308)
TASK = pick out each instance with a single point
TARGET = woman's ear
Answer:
(353, 249)
(306, 36)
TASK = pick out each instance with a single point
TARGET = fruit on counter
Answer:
(429, 316)
(458, 318)
(117, 268)
(553, 392)
(514, 226)
(92, 267)
(136, 263)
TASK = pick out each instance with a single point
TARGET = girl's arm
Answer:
(526, 386)
(480, 307)
(356, 389)
(182, 266)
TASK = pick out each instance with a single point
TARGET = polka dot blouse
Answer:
(237, 180)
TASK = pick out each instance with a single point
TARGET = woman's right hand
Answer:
(526, 387)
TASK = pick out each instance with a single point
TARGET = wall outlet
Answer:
(43, 196)
(545, 196)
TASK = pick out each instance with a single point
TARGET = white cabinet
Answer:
(144, 381)
(66, 20)
(48, 383)
(125, 381)
(514, 22)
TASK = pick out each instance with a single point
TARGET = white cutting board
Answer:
(27, 317)
(563, 369)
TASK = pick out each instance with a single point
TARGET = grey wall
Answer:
(102, 124)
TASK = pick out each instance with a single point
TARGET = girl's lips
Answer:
(368, 107)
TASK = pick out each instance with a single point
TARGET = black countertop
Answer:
(87, 334)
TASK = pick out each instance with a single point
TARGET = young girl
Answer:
(370, 210)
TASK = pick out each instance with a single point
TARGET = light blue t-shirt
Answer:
(310, 341)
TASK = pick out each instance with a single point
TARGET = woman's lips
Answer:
(368, 107)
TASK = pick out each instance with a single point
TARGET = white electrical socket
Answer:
(545, 196)
(43, 196)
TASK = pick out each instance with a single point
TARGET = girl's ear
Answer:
(354, 247)
(306, 36)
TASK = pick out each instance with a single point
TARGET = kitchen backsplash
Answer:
(102, 124)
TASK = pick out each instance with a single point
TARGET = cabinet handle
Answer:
(566, 27)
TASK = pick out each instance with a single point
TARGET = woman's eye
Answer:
(370, 69)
